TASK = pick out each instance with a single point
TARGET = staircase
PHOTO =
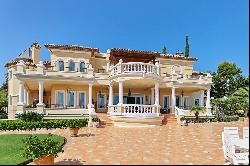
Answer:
(169, 119)
(105, 121)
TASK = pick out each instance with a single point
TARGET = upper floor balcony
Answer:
(134, 68)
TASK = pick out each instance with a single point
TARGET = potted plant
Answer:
(197, 110)
(95, 121)
(74, 126)
(41, 151)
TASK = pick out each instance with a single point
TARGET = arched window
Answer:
(82, 67)
(60, 65)
(71, 65)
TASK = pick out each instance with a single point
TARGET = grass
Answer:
(11, 147)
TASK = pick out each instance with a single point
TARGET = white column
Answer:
(173, 99)
(152, 96)
(40, 87)
(24, 96)
(208, 99)
(120, 93)
(20, 93)
(110, 94)
(27, 98)
(90, 95)
(202, 98)
(157, 93)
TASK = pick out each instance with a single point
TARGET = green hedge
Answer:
(226, 118)
(47, 124)
(30, 117)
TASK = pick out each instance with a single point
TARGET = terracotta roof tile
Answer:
(71, 47)
(175, 56)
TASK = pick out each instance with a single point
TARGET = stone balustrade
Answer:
(134, 67)
(134, 110)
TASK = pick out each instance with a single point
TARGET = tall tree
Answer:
(4, 94)
(227, 80)
(5, 83)
(164, 50)
(187, 47)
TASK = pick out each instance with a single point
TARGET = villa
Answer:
(78, 80)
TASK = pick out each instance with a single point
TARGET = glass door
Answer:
(71, 99)
(178, 101)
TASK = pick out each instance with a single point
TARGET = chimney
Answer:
(35, 47)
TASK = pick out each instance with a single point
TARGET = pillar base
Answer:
(93, 115)
(40, 108)
(120, 108)
(172, 110)
(20, 104)
(208, 111)
(20, 108)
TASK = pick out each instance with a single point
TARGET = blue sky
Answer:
(218, 29)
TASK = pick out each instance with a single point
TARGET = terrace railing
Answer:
(134, 110)
(134, 67)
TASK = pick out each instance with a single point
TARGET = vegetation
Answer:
(76, 124)
(164, 50)
(227, 118)
(197, 110)
(34, 147)
(47, 124)
(30, 116)
(11, 147)
(192, 119)
(4, 98)
(230, 91)
(235, 104)
(187, 47)
(227, 80)
(95, 119)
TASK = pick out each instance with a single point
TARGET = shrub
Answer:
(95, 120)
(226, 118)
(30, 116)
(192, 119)
(35, 148)
(3, 115)
(197, 109)
(47, 124)
(75, 124)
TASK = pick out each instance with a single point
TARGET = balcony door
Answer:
(178, 101)
(134, 100)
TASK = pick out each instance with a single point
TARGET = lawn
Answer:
(11, 147)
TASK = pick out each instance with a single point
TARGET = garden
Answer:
(12, 151)
(42, 149)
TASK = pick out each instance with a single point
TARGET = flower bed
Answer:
(201, 119)
(47, 124)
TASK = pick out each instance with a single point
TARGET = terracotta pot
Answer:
(45, 160)
(74, 132)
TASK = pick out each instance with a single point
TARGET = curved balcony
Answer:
(135, 68)
(134, 110)
(135, 115)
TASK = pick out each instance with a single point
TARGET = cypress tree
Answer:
(187, 47)
(164, 50)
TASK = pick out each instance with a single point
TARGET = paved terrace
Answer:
(168, 144)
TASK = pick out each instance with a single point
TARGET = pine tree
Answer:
(187, 47)
(164, 50)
